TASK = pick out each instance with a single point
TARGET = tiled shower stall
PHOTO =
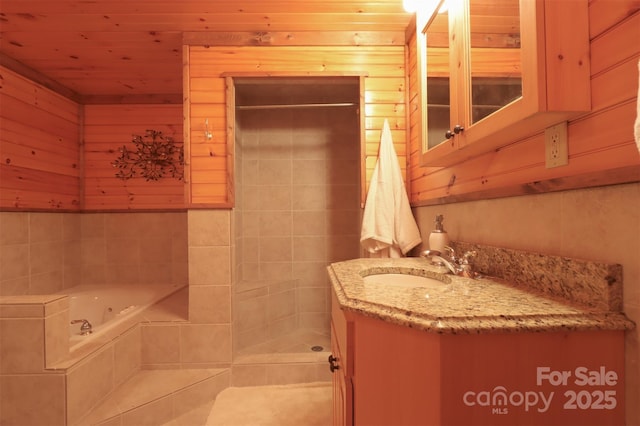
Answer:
(297, 183)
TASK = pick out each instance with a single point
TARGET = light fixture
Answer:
(207, 133)
(410, 6)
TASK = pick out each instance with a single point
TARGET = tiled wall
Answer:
(40, 253)
(204, 341)
(43, 253)
(599, 224)
(297, 209)
(134, 248)
(93, 378)
(30, 341)
(207, 340)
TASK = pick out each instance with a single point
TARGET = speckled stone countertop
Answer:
(461, 305)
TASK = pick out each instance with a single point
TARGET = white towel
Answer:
(388, 226)
(636, 129)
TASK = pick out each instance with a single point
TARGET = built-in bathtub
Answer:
(108, 306)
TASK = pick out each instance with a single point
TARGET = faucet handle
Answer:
(466, 264)
(85, 327)
(452, 253)
(430, 253)
(466, 258)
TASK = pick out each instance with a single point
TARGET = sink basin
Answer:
(403, 280)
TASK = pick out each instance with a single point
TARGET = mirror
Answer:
(491, 77)
(437, 113)
(494, 56)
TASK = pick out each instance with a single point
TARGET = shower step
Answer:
(158, 396)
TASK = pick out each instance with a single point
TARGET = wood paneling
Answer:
(383, 68)
(39, 147)
(603, 16)
(294, 38)
(109, 127)
(41, 155)
(108, 48)
(613, 46)
(601, 146)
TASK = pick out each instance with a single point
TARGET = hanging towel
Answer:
(388, 226)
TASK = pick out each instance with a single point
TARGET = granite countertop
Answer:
(461, 305)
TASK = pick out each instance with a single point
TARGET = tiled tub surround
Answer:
(37, 365)
(33, 330)
(104, 307)
(483, 305)
(44, 253)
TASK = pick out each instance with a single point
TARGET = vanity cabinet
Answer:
(393, 374)
(341, 365)
(408, 377)
(491, 73)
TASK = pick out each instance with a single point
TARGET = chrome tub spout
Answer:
(85, 327)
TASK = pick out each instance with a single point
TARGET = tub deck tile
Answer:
(183, 389)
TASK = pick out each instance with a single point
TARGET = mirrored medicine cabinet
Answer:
(493, 71)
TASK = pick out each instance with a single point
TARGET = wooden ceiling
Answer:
(132, 49)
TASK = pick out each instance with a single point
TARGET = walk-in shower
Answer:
(297, 181)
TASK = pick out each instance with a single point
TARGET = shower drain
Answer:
(317, 348)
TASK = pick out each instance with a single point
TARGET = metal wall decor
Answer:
(156, 156)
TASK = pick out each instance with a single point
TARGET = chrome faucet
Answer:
(461, 266)
(85, 327)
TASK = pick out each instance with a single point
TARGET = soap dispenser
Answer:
(438, 239)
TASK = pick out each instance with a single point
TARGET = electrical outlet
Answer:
(555, 145)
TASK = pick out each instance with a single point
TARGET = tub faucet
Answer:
(462, 266)
(85, 328)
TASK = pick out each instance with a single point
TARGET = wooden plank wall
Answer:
(109, 127)
(210, 175)
(39, 147)
(600, 143)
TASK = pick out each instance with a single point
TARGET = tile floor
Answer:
(196, 417)
(300, 341)
(297, 343)
(318, 412)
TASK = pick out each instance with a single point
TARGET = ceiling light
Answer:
(410, 6)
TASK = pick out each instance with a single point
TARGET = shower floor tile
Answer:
(300, 341)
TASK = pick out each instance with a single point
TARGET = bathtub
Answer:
(107, 306)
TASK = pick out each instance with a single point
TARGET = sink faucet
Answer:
(461, 266)
(85, 327)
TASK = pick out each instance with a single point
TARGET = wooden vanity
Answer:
(480, 352)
